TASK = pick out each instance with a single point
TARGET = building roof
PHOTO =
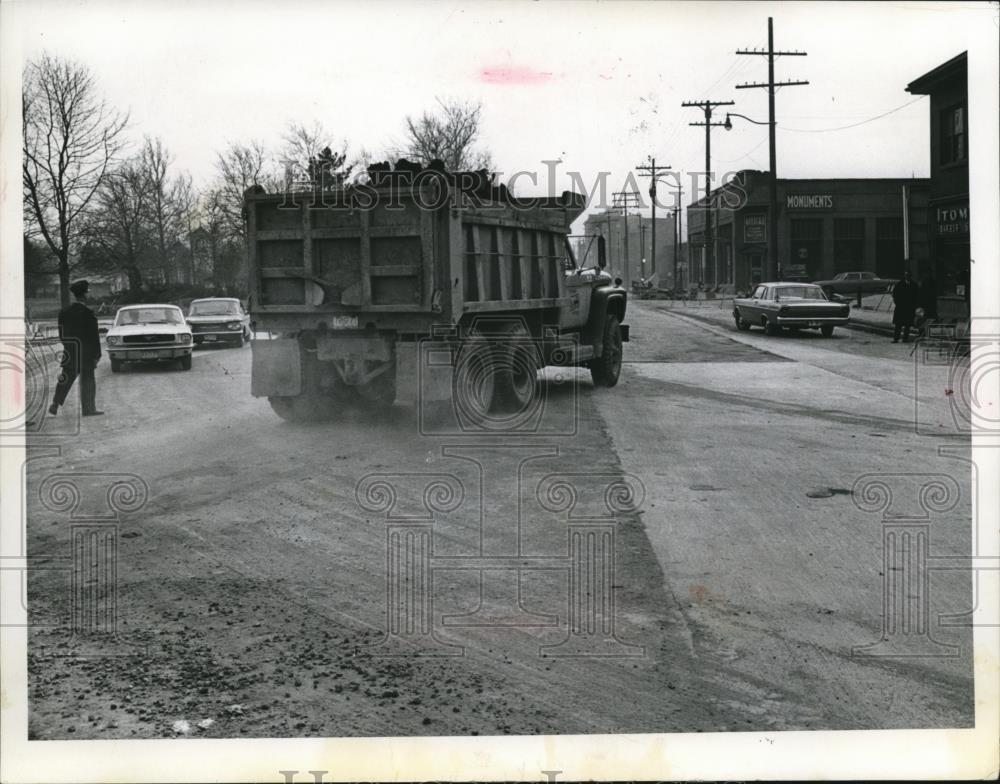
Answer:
(956, 68)
(745, 176)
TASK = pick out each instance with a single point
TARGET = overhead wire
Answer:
(853, 125)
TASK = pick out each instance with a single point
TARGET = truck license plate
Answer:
(148, 354)
(209, 337)
(345, 322)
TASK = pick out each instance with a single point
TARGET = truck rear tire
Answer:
(516, 377)
(473, 389)
(606, 368)
(304, 407)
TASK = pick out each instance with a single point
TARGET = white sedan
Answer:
(149, 333)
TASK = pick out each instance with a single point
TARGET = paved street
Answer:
(252, 584)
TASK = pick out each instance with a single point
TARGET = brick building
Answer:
(825, 226)
(948, 206)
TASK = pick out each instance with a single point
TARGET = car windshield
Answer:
(216, 308)
(149, 316)
(801, 292)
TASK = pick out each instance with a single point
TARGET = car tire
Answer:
(771, 329)
(116, 365)
(741, 324)
(826, 330)
(186, 362)
(239, 341)
(606, 369)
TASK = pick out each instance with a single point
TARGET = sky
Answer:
(596, 86)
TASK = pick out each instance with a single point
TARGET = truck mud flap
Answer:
(423, 372)
(277, 368)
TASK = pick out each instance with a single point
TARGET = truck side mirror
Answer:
(602, 255)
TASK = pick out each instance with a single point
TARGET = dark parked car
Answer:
(846, 284)
(218, 320)
(774, 306)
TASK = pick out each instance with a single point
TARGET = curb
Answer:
(862, 326)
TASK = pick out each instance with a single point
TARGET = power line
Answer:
(855, 125)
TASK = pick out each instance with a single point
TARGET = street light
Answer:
(772, 217)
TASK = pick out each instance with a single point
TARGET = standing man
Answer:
(904, 297)
(81, 352)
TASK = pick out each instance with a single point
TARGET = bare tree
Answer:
(239, 167)
(170, 204)
(310, 158)
(71, 138)
(220, 208)
(117, 232)
(448, 133)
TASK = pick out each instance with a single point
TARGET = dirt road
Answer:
(257, 583)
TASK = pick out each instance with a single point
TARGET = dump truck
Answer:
(421, 289)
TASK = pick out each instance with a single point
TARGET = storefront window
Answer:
(807, 248)
(848, 244)
(889, 247)
(953, 135)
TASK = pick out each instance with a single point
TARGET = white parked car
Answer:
(218, 320)
(149, 333)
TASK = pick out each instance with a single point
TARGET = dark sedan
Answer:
(219, 320)
(776, 306)
(847, 284)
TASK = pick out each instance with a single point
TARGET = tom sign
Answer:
(952, 219)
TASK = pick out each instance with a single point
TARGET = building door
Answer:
(889, 248)
(756, 269)
(807, 249)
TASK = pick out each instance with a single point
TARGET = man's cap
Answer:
(79, 287)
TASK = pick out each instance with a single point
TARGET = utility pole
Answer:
(707, 106)
(678, 232)
(652, 171)
(773, 264)
(642, 247)
(624, 200)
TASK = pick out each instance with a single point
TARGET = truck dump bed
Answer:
(386, 256)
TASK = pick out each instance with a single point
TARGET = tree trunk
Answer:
(64, 279)
(134, 278)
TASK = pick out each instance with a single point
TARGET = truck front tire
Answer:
(606, 368)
